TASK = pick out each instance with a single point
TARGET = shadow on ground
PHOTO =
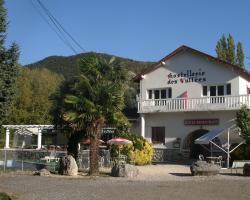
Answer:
(181, 174)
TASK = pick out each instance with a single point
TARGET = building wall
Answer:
(174, 123)
(214, 74)
(243, 85)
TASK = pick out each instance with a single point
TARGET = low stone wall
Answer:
(165, 155)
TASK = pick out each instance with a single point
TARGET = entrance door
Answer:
(195, 149)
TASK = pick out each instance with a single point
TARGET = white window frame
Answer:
(216, 85)
(153, 94)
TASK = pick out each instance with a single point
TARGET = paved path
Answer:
(172, 186)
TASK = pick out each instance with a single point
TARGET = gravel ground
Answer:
(172, 182)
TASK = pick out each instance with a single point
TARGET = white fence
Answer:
(194, 104)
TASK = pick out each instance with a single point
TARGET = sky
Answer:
(144, 30)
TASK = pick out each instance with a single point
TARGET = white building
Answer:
(186, 94)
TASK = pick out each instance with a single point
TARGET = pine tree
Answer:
(8, 68)
(240, 55)
(230, 49)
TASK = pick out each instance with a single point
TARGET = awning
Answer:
(205, 139)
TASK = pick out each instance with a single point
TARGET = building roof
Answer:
(243, 72)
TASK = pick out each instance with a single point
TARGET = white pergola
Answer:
(24, 129)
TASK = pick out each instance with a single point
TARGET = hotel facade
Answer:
(187, 94)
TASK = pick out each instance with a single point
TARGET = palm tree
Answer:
(96, 97)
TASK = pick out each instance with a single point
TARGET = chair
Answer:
(201, 157)
(219, 161)
(122, 159)
(101, 161)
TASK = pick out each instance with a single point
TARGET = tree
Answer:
(225, 50)
(33, 102)
(96, 98)
(230, 49)
(221, 48)
(8, 68)
(240, 55)
(243, 122)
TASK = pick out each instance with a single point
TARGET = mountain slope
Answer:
(68, 66)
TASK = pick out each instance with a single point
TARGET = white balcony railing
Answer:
(194, 104)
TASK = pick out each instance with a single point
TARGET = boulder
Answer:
(67, 166)
(42, 172)
(125, 170)
(246, 170)
(202, 168)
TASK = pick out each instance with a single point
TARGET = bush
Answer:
(4, 196)
(241, 153)
(140, 152)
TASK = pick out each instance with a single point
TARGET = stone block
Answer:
(68, 166)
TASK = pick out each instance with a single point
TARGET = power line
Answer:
(61, 32)
(61, 37)
(60, 25)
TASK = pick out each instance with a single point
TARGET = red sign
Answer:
(190, 122)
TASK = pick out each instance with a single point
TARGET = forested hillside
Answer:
(68, 66)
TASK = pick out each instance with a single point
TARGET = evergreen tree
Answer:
(8, 68)
(230, 49)
(221, 48)
(225, 50)
(240, 55)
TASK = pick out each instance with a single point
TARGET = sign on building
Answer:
(199, 122)
(108, 133)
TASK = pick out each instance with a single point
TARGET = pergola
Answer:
(26, 130)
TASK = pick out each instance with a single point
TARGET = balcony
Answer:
(214, 103)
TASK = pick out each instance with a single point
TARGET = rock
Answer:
(125, 170)
(202, 168)
(42, 172)
(246, 170)
(68, 166)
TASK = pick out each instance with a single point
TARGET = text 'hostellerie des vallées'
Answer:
(186, 77)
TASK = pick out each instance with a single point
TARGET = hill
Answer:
(68, 65)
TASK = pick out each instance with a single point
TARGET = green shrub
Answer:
(4, 196)
(140, 151)
(241, 153)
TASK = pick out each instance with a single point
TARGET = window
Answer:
(212, 91)
(220, 90)
(150, 96)
(163, 94)
(157, 94)
(158, 135)
(204, 90)
(170, 93)
(228, 92)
